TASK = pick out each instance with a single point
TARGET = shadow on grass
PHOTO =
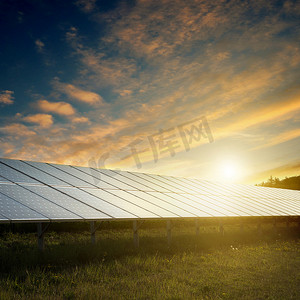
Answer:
(18, 252)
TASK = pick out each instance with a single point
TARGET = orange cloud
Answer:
(60, 108)
(80, 120)
(16, 129)
(79, 94)
(86, 5)
(44, 120)
(272, 113)
(281, 138)
(39, 45)
(6, 97)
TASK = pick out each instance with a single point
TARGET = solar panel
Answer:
(146, 182)
(33, 172)
(15, 211)
(175, 187)
(37, 203)
(88, 178)
(202, 209)
(269, 200)
(3, 180)
(102, 176)
(128, 206)
(156, 180)
(118, 178)
(137, 199)
(41, 192)
(97, 203)
(172, 198)
(15, 176)
(61, 175)
(168, 205)
(4, 219)
(75, 206)
(220, 206)
(188, 188)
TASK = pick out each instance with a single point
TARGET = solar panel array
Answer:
(43, 192)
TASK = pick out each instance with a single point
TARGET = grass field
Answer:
(209, 266)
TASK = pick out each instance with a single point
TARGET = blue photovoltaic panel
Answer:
(136, 198)
(122, 203)
(4, 219)
(115, 177)
(32, 191)
(168, 205)
(177, 188)
(102, 176)
(191, 206)
(202, 205)
(158, 182)
(77, 207)
(3, 180)
(188, 188)
(15, 211)
(120, 176)
(15, 176)
(58, 173)
(171, 198)
(147, 183)
(87, 177)
(96, 202)
(37, 203)
(32, 171)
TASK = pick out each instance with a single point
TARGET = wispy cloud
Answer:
(44, 120)
(269, 114)
(280, 138)
(39, 45)
(16, 129)
(6, 97)
(80, 120)
(76, 93)
(86, 5)
(60, 108)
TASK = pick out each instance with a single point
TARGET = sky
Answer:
(205, 89)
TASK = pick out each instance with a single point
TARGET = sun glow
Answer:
(230, 170)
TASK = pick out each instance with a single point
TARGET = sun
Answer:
(229, 170)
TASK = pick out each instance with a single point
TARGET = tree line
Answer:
(292, 183)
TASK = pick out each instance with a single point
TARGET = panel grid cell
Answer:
(169, 205)
(33, 172)
(68, 179)
(100, 178)
(69, 203)
(122, 203)
(202, 206)
(15, 176)
(162, 186)
(120, 176)
(15, 211)
(147, 183)
(37, 203)
(96, 202)
(136, 198)
(184, 205)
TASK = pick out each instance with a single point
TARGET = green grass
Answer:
(209, 266)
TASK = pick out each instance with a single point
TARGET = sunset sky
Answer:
(92, 81)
